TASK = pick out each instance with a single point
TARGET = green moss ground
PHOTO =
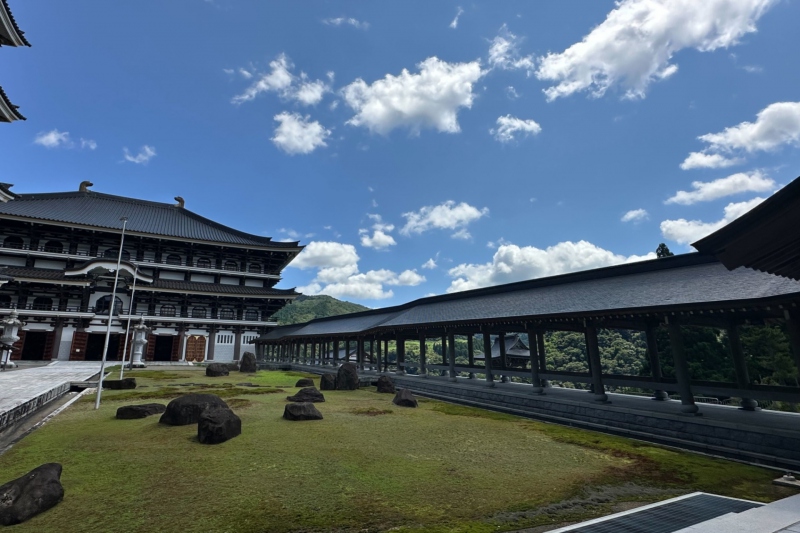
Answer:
(368, 466)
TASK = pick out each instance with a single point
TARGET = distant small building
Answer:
(517, 352)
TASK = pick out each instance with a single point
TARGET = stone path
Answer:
(25, 390)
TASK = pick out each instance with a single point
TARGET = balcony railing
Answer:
(249, 269)
(121, 311)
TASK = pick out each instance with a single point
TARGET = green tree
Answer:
(663, 251)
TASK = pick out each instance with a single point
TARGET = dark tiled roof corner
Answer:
(10, 16)
(14, 108)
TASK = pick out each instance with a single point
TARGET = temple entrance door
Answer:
(195, 348)
(33, 349)
(94, 347)
(163, 348)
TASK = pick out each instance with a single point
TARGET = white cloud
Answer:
(284, 83)
(508, 126)
(429, 99)
(514, 263)
(338, 274)
(454, 24)
(633, 47)
(142, 158)
(688, 231)
(462, 234)
(298, 135)
(430, 264)
(754, 181)
(704, 160)
(346, 21)
(512, 93)
(379, 240)
(776, 125)
(635, 215)
(447, 215)
(504, 53)
(53, 139)
(88, 143)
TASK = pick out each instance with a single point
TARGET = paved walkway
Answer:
(25, 390)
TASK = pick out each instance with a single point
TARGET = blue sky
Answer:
(416, 147)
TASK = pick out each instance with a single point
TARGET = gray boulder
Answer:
(327, 382)
(35, 492)
(304, 382)
(218, 424)
(308, 394)
(215, 370)
(385, 384)
(119, 384)
(130, 412)
(347, 377)
(301, 411)
(187, 409)
(404, 398)
(248, 362)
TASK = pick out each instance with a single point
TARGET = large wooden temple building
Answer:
(10, 35)
(205, 290)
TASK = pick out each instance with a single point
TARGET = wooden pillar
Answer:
(360, 353)
(471, 353)
(487, 357)
(335, 353)
(740, 366)
(688, 406)
(533, 348)
(542, 357)
(372, 354)
(501, 343)
(793, 328)
(444, 354)
(595, 366)
(237, 343)
(655, 361)
(401, 355)
(423, 356)
(386, 355)
(451, 338)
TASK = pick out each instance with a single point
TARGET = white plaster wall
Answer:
(169, 274)
(223, 353)
(12, 260)
(203, 278)
(224, 280)
(37, 326)
(67, 335)
(49, 263)
(254, 282)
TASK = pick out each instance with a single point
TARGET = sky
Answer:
(416, 147)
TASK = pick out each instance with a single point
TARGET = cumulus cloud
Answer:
(776, 125)
(430, 264)
(454, 24)
(635, 44)
(504, 53)
(346, 21)
(704, 160)
(508, 127)
(146, 153)
(705, 191)
(428, 99)
(299, 135)
(284, 83)
(338, 275)
(447, 215)
(380, 238)
(635, 215)
(61, 139)
(514, 263)
(688, 231)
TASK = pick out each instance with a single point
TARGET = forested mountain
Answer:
(306, 308)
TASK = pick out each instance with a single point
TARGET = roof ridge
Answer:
(14, 23)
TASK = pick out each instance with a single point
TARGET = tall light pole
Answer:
(128, 329)
(112, 304)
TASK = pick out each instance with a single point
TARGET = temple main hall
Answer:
(205, 290)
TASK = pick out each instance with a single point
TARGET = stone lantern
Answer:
(11, 326)
(140, 332)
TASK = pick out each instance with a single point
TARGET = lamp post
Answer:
(112, 304)
(10, 327)
(128, 329)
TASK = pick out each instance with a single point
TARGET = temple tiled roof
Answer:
(217, 288)
(661, 284)
(100, 210)
(8, 111)
(10, 34)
